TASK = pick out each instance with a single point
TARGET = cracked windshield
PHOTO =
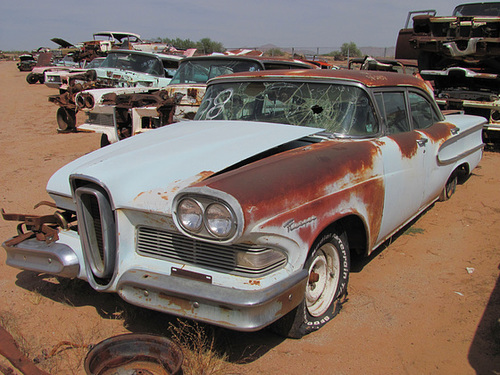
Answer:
(339, 109)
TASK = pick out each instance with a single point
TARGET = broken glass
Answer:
(337, 108)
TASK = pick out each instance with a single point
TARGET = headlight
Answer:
(190, 215)
(205, 217)
(219, 220)
(84, 100)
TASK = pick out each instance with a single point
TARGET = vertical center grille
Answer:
(97, 228)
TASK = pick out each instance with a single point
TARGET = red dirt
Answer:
(425, 304)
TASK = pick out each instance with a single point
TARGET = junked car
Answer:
(470, 37)
(460, 55)
(247, 216)
(119, 115)
(26, 62)
(60, 79)
(134, 71)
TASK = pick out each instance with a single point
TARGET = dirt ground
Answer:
(425, 304)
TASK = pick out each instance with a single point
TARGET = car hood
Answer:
(146, 171)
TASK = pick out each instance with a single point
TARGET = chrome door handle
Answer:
(422, 142)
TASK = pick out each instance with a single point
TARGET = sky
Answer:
(323, 24)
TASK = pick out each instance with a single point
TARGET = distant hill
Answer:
(308, 51)
(378, 51)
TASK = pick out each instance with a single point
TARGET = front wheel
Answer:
(328, 267)
(31, 78)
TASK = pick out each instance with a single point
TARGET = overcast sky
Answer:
(29, 24)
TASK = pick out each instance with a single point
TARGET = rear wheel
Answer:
(449, 188)
(328, 267)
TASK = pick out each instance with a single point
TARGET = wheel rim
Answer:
(323, 280)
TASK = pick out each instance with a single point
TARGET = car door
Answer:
(426, 121)
(404, 154)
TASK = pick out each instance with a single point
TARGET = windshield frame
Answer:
(158, 72)
(299, 80)
(209, 64)
(457, 12)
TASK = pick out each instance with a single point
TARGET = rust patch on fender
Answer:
(306, 182)
(439, 132)
(407, 143)
(203, 175)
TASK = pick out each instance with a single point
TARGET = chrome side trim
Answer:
(461, 156)
(456, 138)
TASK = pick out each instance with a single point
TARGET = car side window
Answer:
(422, 112)
(393, 110)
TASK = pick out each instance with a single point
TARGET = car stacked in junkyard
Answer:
(128, 71)
(460, 55)
(247, 216)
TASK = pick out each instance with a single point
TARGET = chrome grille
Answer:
(176, 247)
(105, 119)
(97, 229)
(94, 211)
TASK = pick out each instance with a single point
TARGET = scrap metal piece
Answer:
(9, 349)
(44, 228)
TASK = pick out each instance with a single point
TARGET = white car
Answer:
(247, 216)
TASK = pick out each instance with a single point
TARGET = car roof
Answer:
(365, 77)
(262, 59)
(116, 34)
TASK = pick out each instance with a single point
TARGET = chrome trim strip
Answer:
(456, 138)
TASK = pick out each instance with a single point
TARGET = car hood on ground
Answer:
(145, 171)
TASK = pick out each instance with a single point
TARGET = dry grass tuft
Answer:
(198, 347)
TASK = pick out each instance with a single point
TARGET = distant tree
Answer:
(208, 46)
(178, 42)
(274, 52)
(350, 50)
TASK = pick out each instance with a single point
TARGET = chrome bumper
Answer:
(244, 310)
(54, 258)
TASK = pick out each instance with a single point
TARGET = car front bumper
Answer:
(242, 310)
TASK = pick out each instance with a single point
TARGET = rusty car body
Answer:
(475, 92)
(470, 37)
(460, 55)
(247, 216)
(119, 115)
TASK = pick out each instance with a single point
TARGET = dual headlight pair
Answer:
(206, 218)
(85, 100)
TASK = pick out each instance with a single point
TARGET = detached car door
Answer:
(408, 156)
